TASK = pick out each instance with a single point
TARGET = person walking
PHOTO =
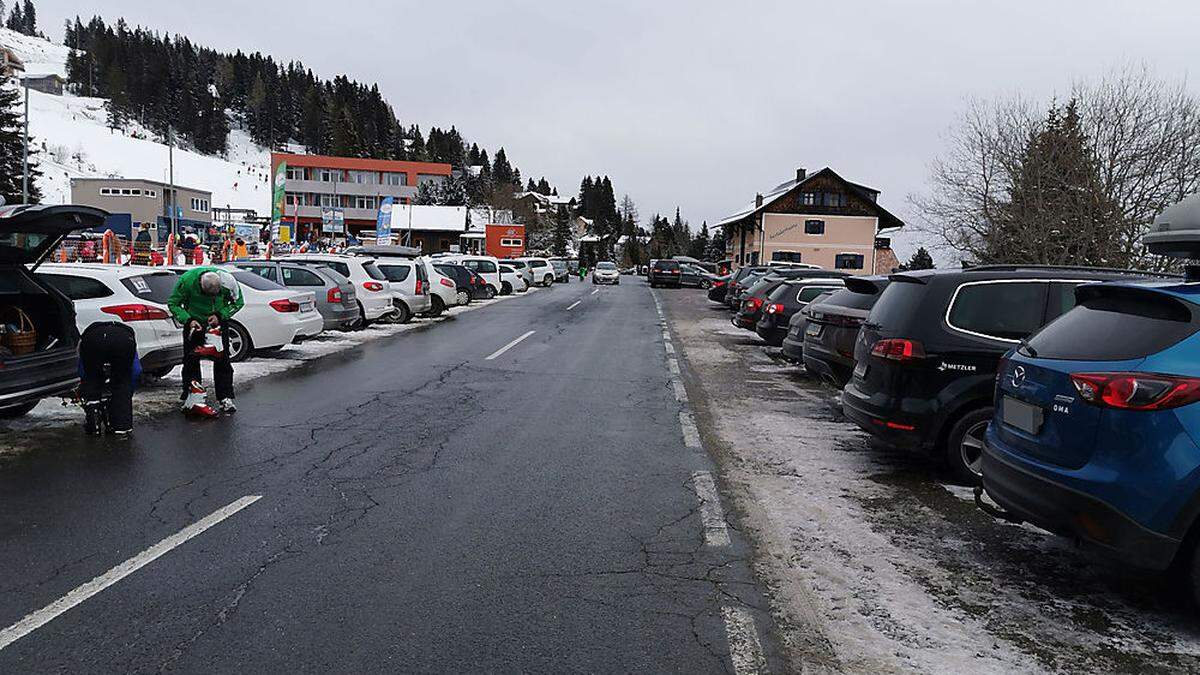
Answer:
(204, 299)
(108, 357)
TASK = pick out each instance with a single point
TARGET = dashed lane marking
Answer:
(509, 346)
(81, 593)
(673, 366)
(712, 516)
(669, 347)
(595, 291)
(680, 392)
(745, 650)
(573, 305)
(691, 435)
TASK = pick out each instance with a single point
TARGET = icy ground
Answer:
(875, 564)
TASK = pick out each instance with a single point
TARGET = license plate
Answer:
(1021, 415)
(306, 306)
(814, 329)
(860, 370)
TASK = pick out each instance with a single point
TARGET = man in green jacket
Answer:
(204, 298)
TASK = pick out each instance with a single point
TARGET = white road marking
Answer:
(573, 305)
(670, 347)
(48, 613)
(680, 392)
(691, 435)
(509, 346)
(595, 291)
(712, 516)
(673, 366)
(745, 651)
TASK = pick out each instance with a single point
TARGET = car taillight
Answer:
(753, 304)
(284, 305)
(420, 287)
(373, 286)
(334, 295)
(674, 271)
(136, 312)
(472, 281)
(1136, 391)
(899, 349)
(446, 282)
(774, 308)
(718, 283)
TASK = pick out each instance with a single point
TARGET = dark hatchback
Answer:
(464, 279)
(28, 235)
(740, 281)
(826, 343)
(926, 357)
(665, 273)
(788, 298)
(716, 291)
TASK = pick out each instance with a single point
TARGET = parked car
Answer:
(468, 286)
(543, 273)
(486, 267)
(606, 273)
(336, 299)
(831, 328)
(926, 357)
(562, 270)
(792, 348)
(665, 273)
(410, 286)
(511, 281)
(716, 290)
(1096, 432)
(742, 279)
(522, 268)
(441, 290)
(373, 292)
(28, 234)
(694, 276)
(790, 297)
(132, 294)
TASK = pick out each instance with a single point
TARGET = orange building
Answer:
(505, 241)
(354, 185)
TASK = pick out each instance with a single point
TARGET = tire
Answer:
(18, 410)
(489, 292)
(506, 288)
(705, 284)
(437, 307)
(548, 281)
(464, 298)
(361, 322)
(402, 314)
(964, 445)
(240, 343)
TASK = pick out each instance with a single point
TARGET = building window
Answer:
(808, 198)
(513, 243)
(786, 256)
(126, 192)
(151, 193)
(833, 199)
(329, 175)
(327, 200)
(361, 202)
(136, 192)
(295, 173)
(105, 192)
(423, 178)
(292, 199)
(814, 227)
(199, 204)
(363, 177)
(392, 178)
(848, 261)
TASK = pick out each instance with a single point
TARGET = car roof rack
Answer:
(1072, 268)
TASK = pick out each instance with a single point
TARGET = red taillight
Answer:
(898, 349)
(774, 308)
(753, 304)
(718, 283)
(334, 295)
(374, 286)
(1136, 391)
(446, 282)
(284, 305)
(136, 312)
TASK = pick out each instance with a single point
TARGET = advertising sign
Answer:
(383, 223)
(278, 182)
(333, 220)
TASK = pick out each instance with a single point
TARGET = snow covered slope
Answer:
(75, 142)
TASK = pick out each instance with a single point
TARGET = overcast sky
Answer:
(693, 103)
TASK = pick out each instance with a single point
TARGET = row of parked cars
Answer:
(1069, 395)
(45, 306)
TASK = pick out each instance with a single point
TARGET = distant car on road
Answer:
(606, 273)
(336, 299)
(132, 294)
(665, 273)
(562, 270)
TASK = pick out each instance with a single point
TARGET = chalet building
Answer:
(821, 219)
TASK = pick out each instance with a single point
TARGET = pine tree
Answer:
(30, 16)
(12, 133)
(501, 170)
(716, 246)
(16, 20)
(921, 260)
(118, 100)
(562, 231)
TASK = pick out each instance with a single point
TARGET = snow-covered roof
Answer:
(778, 191)
(589, 238)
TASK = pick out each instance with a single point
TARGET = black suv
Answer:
(665, 273)
(926, 357)
(788, 298)
(28, 235)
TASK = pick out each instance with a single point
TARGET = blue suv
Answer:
(1096, 433)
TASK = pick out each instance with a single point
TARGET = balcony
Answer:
(368, 189)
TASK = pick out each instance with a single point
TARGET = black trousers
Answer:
(106, 354)
(222, 368)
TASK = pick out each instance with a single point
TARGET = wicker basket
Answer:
(24, 339)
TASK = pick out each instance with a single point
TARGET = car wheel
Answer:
(506, 288)
(361, 322)
(705, 284)
(402, 313)
(464, 298)
(547, 281)
(18, 410)
(240, 344)
(489, 292)
(964, 445)
(438, 306)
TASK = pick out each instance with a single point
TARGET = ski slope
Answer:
(74, 142)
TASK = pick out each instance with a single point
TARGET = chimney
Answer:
(801, 174)
(758, 201)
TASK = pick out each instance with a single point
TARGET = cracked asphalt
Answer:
(423, 509)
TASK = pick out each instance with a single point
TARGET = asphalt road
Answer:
(421, 508)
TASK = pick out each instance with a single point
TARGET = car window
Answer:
(537, 263)
(77, 288)
(481, 266)
(606, 266)
(1116, 325)
(779, 293)
(296, 276)
(666, 265)
(395, 272)
(810, 293)
(254, 281)
(899, 303)
(851, 300)
(264, 271)
(339, 267)
(1061, 299)
(373, 271)
(1006, 311)
(155, 287)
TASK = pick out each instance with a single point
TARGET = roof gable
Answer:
(864, 197)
